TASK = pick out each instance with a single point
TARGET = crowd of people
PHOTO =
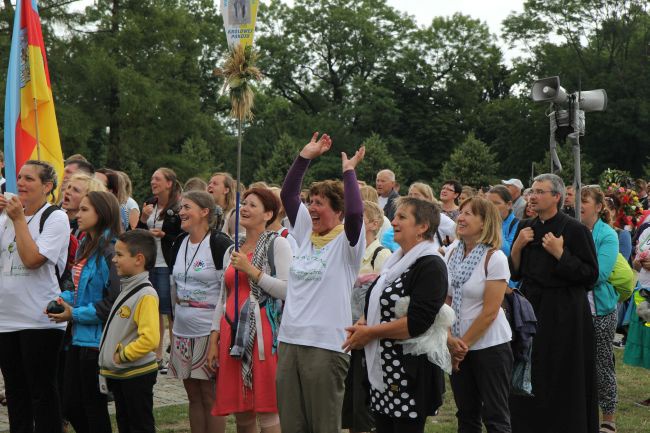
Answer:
(327, 310)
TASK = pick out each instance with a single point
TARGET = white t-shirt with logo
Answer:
(24, 293)
(199, 293)
(473, 290)
(318, 309)
(155, 222)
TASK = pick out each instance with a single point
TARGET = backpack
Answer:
(622, 278)
(64, 278)
(219, 244)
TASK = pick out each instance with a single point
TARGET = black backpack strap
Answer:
(41, 224)
(376, 253)
(270, 256)
(117, 307)
(439, 239)
(512, 224)
(219, 244)
(176, 246)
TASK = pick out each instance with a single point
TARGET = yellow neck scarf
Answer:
(320, 241)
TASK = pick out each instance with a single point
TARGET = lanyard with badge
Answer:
(187, 266)
(7, 266)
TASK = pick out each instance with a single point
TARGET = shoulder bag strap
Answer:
(117, 307)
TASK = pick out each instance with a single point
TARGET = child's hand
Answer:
(116, 358)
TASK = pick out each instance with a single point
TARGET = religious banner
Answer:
(31, 130)
(239, 17)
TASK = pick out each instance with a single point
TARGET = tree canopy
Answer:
(134, 87)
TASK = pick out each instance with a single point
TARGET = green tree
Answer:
(471, 163)
(137, 86)
(601, 44)
(378, 157)
(565, 154)
(284, 153)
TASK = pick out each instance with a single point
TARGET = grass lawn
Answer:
(633, 386)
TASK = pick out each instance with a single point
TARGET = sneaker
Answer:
(162, 366)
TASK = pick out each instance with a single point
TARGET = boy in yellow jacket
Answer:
(126, 359)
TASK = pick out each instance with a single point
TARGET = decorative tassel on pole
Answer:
(239, 73)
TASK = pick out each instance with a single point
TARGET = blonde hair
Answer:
(373, 212)
(369, 193)
(92, 184)
(229, 183)
(425, 190)
(488, 212)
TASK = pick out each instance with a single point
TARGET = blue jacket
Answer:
(508, 230)
(606, 241)
(98, 287)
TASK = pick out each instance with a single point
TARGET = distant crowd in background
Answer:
(343, 305)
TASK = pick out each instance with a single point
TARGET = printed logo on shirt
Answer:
(309, 267)
(199, 265)
(124, 312)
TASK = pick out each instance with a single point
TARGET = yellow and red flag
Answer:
(29, 106)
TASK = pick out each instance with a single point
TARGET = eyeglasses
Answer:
(540, 191)
(448, 189)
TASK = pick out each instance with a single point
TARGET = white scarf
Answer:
(395, 266)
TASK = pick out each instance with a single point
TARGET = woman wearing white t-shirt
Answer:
(480, 337)
(29, 341)
(197, 270)
(312, 365)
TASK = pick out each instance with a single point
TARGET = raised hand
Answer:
(316, 147)
(351, 163)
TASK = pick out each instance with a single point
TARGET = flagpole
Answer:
(237, 200)
(38, 138)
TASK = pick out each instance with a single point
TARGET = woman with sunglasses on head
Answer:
(33, 249)
(96, 286)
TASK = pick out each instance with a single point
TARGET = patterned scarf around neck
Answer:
(320, 241)
(460, 270)
(249, 318)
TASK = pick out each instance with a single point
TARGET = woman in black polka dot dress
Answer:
(404, 389)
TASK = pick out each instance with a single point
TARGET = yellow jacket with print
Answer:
(133, 332)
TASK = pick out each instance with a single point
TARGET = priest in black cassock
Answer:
(554, 258)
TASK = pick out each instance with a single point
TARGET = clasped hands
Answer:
(13, 207)
(458, 349)
(359, 335)
(552, 244)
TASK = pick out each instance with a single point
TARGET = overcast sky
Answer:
(491, 12)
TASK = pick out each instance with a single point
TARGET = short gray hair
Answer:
(557, 184)
(390, 173)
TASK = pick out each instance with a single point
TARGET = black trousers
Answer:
(387, 424)
(83, 405)
(481, 390)
(29, 363)
(134, 403)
